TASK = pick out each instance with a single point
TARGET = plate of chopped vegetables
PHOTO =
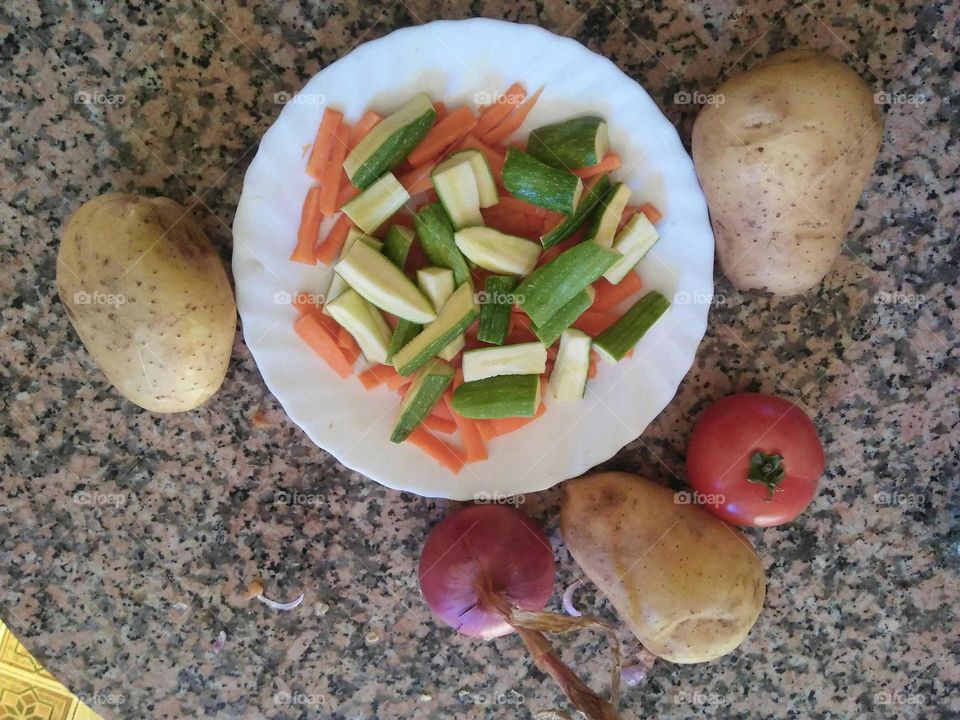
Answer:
(472, 259)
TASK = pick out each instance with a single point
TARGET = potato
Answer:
(149, 298)
(783, 156)
(688, 585)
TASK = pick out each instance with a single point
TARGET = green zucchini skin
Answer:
(498, 397)
(495, 309)
(551, 286)
(570, 144)
(435, 232)
(564, 317)
(542, 185)
(426, 389)
(618, 339)
(397, 244)
(587, 205)
(404, 332)
(457, 314)
(394, 151)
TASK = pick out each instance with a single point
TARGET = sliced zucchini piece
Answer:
(437, 284)
(618, 339)
(522, 359)
(553, 285)
(404, 332)
(426, 389)
(603, 226)
(548, 187)
(384, 284)
(633, 242)
(375, 205)
(456, 186)
(338, 284)
(454, 318)
(390, 141)
(496, 301)
(397, 244)
(436, 238)
(498, 397)
(565, 317)
(588, 205)
(455, 346)
(497, 251)
(568, 381)
(364, 322)
(486, 183)
(570, 144)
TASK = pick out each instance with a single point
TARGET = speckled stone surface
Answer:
(110, 516)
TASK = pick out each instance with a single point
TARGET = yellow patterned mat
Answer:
(28, 692)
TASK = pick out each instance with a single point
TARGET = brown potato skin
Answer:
(688, 585)
(166, 346)
(783, 161)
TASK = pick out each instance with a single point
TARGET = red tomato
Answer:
(756, 458)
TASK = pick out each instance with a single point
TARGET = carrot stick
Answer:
(446, 132)
(330, 184)
(367, 122)
(397, 381)
(473, 446)
(438, 424)
(494, 159)
(504, 426)
(329, 249)
(512, 123)
(375, 376)
(345, 340)
(441, 108)
(592, 371)
(312, 332)
(593, 323)
(348, 191)
(323, 143)
(628, 212)
(444, 454)
(495, 113)
(514, 205)
(610, 161)
(442, 410)
(609, 296)
(505, 221)
(418, 180)
(486, 429)
(653, 215)
(310, 219)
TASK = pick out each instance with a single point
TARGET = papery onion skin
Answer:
(485, 543)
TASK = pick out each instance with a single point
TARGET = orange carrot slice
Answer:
(610, 161)
(310, 219)
(437, 449)
(375, 376)
(367, 122)
(330, 184)
(486, 429)
(322, 342)
(513, 122)
(441, 109)
(511, 223)
(418, 180)
(473, 444)
(520, 206)
(592, 370)
(653, 215)
(329, 249)
(446, 132)
(504, 426)
(494, 159)
(609, 296)
(348, 191)
(438, 424)
(397, 381)
(345, 340)
(323, 143)
(628, 212)
(593, 323)
(495, 113)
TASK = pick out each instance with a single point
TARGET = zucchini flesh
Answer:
(453, 349)
(404, 332)
(457, 189)
(568, 381)
(551, 286)
(570, 144)
(426, 389)
(565, 317)
(436, 238)
(498, 397)
(397, 244)
(633, 243)
(497, 251)
(486, 183)
(364, 322)
(548, 187)
(384, 284)
(618, 339)
(521, 359)
(337, 284)
(375, 205)
(437, 285)
(496, 302)
(568, 226)
(603, 226)
(454, 318)
(390, 141)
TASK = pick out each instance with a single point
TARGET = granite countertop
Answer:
(128, 538)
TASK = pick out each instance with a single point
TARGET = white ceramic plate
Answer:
(467, 62)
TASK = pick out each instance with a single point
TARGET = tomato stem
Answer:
(767, 470)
